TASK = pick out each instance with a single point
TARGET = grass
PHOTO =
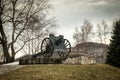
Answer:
(64, 72)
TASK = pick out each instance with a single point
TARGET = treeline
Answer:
(92, 33)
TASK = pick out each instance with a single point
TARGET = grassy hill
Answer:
(64, 72)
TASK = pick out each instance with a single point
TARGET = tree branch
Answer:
(24, 26)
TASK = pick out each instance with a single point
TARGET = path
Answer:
(5, 68)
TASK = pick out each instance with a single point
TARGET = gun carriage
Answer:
(55, 44)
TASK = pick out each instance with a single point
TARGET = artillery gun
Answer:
(50, 46)
(55, 44)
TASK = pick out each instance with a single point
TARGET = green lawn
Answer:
(64, 72)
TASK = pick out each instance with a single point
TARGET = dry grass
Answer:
(64, 72)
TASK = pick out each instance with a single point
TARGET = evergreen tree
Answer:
(113, 57)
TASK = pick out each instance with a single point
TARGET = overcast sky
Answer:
(71, 13)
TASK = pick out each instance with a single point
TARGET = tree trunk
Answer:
(6, 53)
(4, 43)
(13, 53)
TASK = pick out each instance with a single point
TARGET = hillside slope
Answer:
(64, 72)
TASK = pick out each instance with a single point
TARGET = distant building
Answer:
(90, 52)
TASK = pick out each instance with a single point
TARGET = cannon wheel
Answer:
(67, 48)
(47, 47)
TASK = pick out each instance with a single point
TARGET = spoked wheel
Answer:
(47, 47)
(67, 46)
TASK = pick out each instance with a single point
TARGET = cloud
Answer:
(71, 13)
(87, 8)
(85, 2)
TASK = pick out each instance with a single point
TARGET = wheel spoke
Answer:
(67, 49)
(67, 45)
(47, 47)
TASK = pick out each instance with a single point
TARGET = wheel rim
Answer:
(47, 47)
(67, 49)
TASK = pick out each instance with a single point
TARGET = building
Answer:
(90, 52)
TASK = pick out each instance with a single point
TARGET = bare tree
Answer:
(99, 33)
(3, 37)
(18, 14)
(1, 54)
(103, 31)
(32, 37)
(84, 34)
(76, 36)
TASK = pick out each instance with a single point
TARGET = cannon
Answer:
(57, 45)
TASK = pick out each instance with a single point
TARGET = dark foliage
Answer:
(113, 57)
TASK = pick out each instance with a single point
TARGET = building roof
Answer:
(91, 44)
